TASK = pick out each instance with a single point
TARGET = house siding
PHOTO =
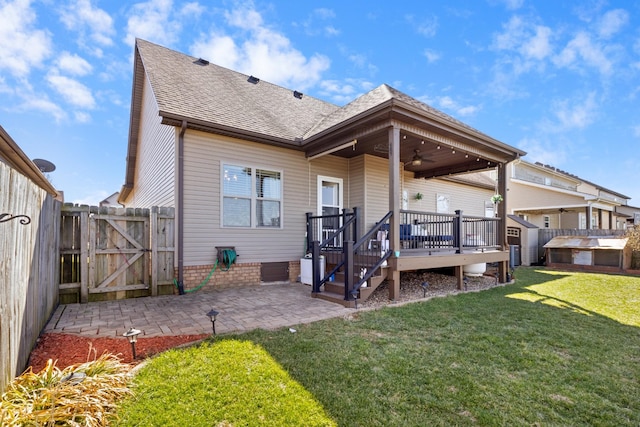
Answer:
(530, 197)
(204, 155)
(155, 165)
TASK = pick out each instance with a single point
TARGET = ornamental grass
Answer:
(79, 395)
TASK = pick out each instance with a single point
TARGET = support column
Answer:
(394, 206)
(502, 213)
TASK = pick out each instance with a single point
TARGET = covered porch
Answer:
(418, 142)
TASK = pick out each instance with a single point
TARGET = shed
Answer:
(592, 253)
(525, 235)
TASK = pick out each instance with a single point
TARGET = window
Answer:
(249, 201)
(547, 221)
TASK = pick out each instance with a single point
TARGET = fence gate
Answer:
(116, 252)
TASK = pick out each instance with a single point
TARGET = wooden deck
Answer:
(418, 259)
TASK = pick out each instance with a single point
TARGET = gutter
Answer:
(180, 207)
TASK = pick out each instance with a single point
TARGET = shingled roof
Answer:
(188, 88)
(195, 90)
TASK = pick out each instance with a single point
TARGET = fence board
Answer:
(127, 249)
(28, 268)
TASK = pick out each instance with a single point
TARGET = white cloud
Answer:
(431, 55)
(582, 47)
(73, 64)
(40, 103)
(153, 21)
(82, 16)
(343, 92)
(17, 31)
(82, 117)
(512, 4)
(313, 25)
(448, 103)
(572, 115)
(545, 152)
(529, 40)
(538, 46)
(74, 92)
(612, 22)
(427, 27)
(262, 52)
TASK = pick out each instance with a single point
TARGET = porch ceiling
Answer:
(443, 148)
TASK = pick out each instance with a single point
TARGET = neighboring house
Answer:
(551, 198)
(112, 200)
(243, 161)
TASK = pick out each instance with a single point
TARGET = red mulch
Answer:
(69, 349)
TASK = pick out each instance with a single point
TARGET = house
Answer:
(273, 174)
(112, 200)
(551, 198)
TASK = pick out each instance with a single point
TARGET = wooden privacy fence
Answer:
(29, 223)
(115, 253)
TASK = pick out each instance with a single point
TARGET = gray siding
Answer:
(204, 155)
(155, 166)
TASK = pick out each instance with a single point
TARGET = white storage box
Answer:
(306, 270)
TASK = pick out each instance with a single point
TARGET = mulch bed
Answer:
(67, 349)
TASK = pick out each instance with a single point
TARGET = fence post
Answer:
(85, 273)
(153, 235)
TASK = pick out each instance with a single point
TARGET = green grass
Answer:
(555, 348)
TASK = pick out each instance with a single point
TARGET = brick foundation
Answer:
(244, 274)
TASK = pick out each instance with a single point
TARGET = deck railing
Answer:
(446, 232)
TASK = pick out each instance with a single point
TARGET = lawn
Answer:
(555, 348)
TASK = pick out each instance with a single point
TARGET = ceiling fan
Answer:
(417, 159)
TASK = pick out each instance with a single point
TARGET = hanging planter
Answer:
(418, 196)
(496, 198)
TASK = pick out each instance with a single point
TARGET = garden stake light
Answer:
(424, 285)
(132, 336)
(212, 316)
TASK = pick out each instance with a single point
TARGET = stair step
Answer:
(333, 297)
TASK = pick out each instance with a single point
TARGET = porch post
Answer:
(394, 206)
(502, 213)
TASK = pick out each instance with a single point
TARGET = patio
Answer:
(241, 309)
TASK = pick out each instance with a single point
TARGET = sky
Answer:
(557, 79)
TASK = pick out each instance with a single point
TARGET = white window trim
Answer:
(254, 197)
(319, 191)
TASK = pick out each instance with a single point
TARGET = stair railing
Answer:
(348, 231)
(370, 257)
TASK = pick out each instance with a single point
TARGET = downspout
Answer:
(180, 206)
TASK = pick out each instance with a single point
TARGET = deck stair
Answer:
(334, 291)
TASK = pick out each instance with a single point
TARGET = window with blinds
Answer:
(249, 201)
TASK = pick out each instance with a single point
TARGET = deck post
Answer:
(459, 272)
(457, 232)
(394, 206)
(502, 229)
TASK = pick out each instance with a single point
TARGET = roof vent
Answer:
(253, 79)
(201, 61)
(297, 94)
